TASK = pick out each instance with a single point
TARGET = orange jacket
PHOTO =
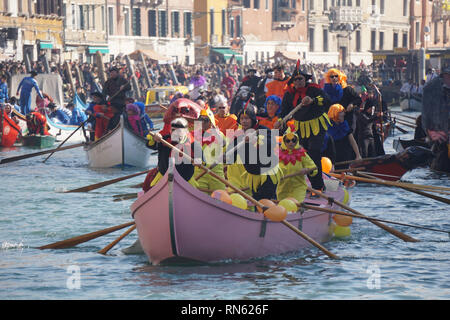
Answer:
(224, 123)
(277, 87)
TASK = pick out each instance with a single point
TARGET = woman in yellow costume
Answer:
(294, 159)
(311, 120)
(213, 142)
(255, 164)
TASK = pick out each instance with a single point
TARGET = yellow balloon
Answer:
(238, 201)
(276, 213)
(326, 165)
(342, 232)
(288, 204)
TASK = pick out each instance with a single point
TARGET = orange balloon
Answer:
(326, 165)
(343, 221)
(266, 203)
(276, 213)
(222, 195)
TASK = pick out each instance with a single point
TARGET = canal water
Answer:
(373, 265)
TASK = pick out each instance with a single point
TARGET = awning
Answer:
(93, 50)
(46, 45)
(150, 54)
(227, 54)
(288, 55)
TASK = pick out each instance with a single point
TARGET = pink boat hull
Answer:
(175, 220)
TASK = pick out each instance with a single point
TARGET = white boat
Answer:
(118, 148)
(63, 131)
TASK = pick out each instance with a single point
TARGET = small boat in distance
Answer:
(119, 148)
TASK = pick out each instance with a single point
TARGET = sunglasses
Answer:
(289, 140)
(204, 119)
(221, 108)
(334, 76)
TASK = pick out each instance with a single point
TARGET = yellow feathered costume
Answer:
(292, 161)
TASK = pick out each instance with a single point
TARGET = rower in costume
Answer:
(294, 159)
(248, 168)
(311, 120)
(212, 142)
(181, 138)
(272, 110)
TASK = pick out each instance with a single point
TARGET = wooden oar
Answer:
(60, 145)
(348, 170)
(84, 238)
(401, 129)
(107, 183)
(351, 161)
(431, 196)
(343, 213)
(112, 244)
(403, 115)
(392, 231)
(390, 183)
(251, 199)
(40, 153)
(405, 124)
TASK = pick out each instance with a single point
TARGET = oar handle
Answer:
(112, 244)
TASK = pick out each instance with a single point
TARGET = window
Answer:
(137, 22)
(405, 40)
(381, 6)
(311, 39)
(405, 8)
(358, 41)
(358, 3)
(162, 23)
(325, 5)
(349, 3)
(175, 24)
(224, 22)
(232, 27)
(325, 40)
(311, 4)
(267, 4)
(256, 56)
(188, 24)
(381, 40)
(246, 3)
(417, 32)
(303, 5)
(436, 35)
(88, 22)
(81, 19)
(111, 20)
(103, 18)
(372, 39)
(152, 23)
(93, 17)
(126, 18)
(74, 16)
(211, 17)
(444, 36)
(256, 4)
(395, 44)
(238, 26)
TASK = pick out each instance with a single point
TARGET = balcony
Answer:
(340, 15)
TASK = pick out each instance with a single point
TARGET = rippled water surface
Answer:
(374, 264)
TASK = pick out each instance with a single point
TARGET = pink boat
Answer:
(176, 222)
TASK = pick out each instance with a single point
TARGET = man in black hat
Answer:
(115, 88)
